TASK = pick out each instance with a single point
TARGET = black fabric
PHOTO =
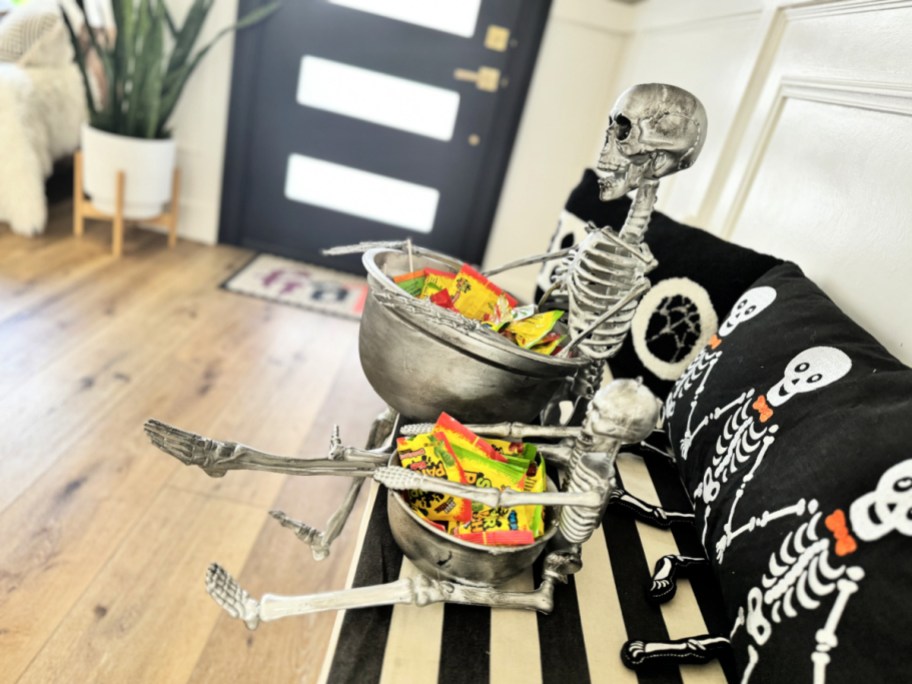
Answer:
(781, 473)
(676, 318)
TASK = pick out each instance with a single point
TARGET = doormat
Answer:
(303, 285)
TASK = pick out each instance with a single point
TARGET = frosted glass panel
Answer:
(360, 193)
(377, 97)
(453, 16)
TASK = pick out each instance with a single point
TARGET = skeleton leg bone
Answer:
(216, 458)
(645, 512)
(826, 637)
(420, 591)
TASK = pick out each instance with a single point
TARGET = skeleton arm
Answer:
(403, 479)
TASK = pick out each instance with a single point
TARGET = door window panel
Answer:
(377, 97)
(458, 17)
(361, 193)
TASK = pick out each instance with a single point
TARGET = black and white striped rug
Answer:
(595, 613)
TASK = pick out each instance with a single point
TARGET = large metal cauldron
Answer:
(422, 359)
(442, 556)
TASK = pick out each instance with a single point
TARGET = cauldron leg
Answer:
(419, 591)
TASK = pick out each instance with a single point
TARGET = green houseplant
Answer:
(144, 63)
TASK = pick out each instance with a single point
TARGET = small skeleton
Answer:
(809, 566)
(621, 412)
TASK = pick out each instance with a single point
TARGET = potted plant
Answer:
(145, 65)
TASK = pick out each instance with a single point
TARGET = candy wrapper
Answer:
(454, 452)
(532, 330)
(434, 282)
(432, 456)
(474, 296)
(413, 282)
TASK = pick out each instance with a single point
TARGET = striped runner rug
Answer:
(595, 613)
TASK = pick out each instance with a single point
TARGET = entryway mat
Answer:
(286, 281)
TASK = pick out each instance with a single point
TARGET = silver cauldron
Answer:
(422, 359)
(444, 557)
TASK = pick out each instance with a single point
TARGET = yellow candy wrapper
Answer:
(549, 344)
(530, 331)
(434, 282)
(433, 456)
(458, 435)
(474, 296)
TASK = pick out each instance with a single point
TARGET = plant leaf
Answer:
(80, 61)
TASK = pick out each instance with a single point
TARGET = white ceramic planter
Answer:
(148, 166)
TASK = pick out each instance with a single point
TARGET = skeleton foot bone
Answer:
(226, 592)
(667, 570)
(647, 513)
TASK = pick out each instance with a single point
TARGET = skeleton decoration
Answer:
(812, 563)
(748, 432)
(621, 412)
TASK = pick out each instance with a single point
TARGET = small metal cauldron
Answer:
(422, 359)
(442, 556)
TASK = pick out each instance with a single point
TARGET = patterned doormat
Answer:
(302, 285)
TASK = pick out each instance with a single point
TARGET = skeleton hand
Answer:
(214, 457)
(226, 592)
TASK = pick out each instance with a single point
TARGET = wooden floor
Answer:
(104, 541)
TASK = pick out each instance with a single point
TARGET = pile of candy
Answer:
(453, 452)
(474, 296)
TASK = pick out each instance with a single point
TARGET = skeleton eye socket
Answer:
(816, 377)
(903, 485)
(751, 309)
(624, 126)
(801, 367)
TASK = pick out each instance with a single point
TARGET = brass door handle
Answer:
(486, 78)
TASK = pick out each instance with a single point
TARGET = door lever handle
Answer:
(486, 78)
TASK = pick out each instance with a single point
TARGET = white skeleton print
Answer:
(804, 570)
(751, 303)
(747, 433)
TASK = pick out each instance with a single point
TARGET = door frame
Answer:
(480, 220)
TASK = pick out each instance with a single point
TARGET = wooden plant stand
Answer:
(83, 209)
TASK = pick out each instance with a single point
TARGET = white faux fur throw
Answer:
(41, 112)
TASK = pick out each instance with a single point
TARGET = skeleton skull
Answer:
(751, 303)
(624, 410)
(655, 130)
(810, 370)
(888, 508)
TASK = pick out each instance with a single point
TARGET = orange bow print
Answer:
(845, 542)
(761, 407)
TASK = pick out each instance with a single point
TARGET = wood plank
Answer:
(59, 533)
(146, 616)
(92, 371)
